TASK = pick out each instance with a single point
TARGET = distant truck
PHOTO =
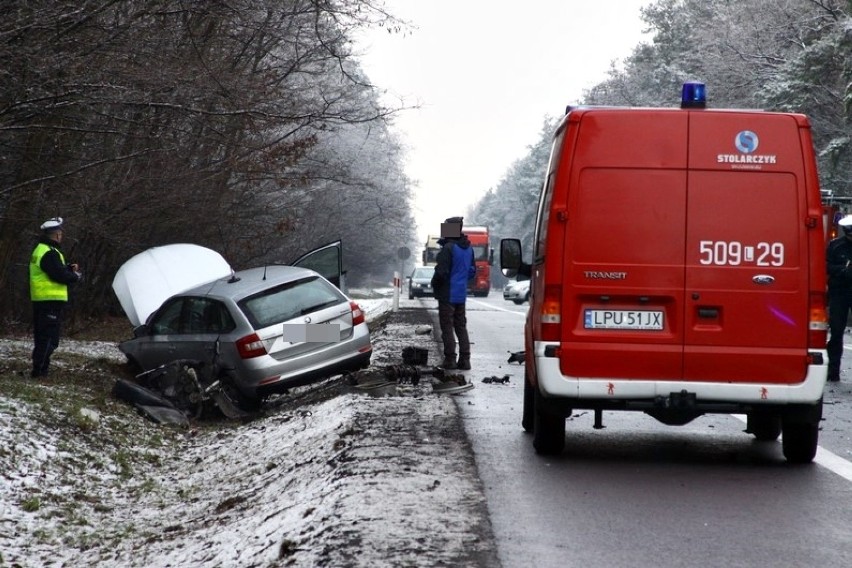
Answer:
(483, 254)
(430, 251)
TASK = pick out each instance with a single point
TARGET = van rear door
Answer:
(746, 317)
(685, 247)
(623, 293)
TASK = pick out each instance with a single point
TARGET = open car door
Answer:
(327, 260)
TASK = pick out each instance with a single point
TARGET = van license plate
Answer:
(642, 320)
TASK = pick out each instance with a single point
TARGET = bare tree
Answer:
(147, 122)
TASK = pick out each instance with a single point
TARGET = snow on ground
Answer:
(344, 479)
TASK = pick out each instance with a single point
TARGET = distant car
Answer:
(420, 282)
(276, 327)
(517, 291)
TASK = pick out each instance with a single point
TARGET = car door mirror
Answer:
(510, 257)
(141, 330)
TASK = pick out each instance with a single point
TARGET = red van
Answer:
(678, 269)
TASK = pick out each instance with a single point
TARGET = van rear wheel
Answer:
(548, 428)
(765, 427)
(800, 441)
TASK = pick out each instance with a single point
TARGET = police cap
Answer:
(52, 225)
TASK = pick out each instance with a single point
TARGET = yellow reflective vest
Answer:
(42, 288)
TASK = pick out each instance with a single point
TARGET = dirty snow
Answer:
(346, 479)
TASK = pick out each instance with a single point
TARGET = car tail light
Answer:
(357, 314)
(817, 322)
(251, 346)
(551, 313)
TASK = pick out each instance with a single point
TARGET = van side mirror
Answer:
(510, 257)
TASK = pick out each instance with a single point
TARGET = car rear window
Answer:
(287, 301)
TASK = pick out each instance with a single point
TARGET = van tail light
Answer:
(250, 346)
(357, 314)
(551, 313)
(817, 321)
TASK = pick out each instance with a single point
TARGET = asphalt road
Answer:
(639, 493)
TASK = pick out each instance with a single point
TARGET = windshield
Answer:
(480, 252)
(425, 272)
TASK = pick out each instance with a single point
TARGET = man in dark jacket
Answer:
(455, 266)
(49, 280)
(838, 259)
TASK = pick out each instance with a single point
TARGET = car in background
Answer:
(274, 327)
(420, 282)
(517, 291)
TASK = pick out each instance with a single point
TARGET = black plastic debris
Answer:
(415, 356)
(516, 357)
(379, 379)
(504, 380)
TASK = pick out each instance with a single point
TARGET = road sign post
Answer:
(402, 253)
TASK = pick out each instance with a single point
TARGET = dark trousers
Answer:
(47, 323)
(453, 321)
(838, 312)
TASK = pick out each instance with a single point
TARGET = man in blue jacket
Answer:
(455, 266)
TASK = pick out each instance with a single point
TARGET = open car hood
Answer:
(148, 279)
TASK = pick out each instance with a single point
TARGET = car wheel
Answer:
(800, 441)
(766, 427)
(178, 382)
(518, 302)
(410, 296)
(240, 399)
(548, 428)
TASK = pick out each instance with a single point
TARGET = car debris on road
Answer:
(504, 380)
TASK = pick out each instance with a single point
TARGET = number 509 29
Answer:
(734, 253)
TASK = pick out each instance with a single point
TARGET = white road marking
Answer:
(835, 463)
(492, 306)
(827, 459)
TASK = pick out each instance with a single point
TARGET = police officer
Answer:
(838, 259)
(49, 280)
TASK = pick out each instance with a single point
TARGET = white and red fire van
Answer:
(678, 269)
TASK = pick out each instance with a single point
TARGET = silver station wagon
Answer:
(275, 326)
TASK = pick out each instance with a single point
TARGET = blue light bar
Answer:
(693, 95)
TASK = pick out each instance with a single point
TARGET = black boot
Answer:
(449, 362)
(833, 375)
(464, 362)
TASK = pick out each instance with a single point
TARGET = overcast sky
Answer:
(485, 74)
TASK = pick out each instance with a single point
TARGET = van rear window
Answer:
(542, 215)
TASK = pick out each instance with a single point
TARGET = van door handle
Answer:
(708, 313)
